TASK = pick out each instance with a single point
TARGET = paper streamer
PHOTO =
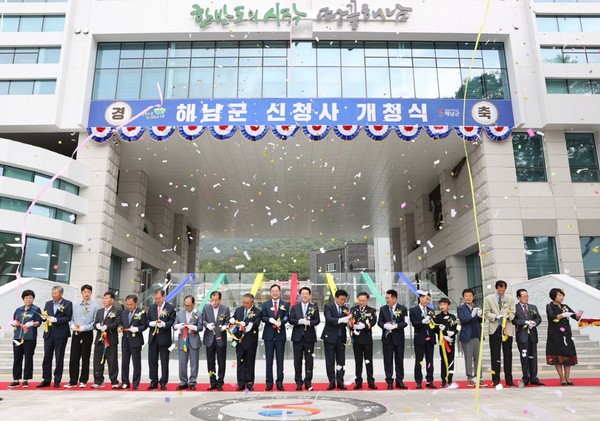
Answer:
(257, 283)
(222, 277)
(373, 288)
(179, 287)
(411, 286)
(331, 283)
(294, 289)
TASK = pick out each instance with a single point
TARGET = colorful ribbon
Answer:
(445, 348)
(373, 288)
(212, 289)
(331, 283)
(47, 322)
(179, 287)
(294, 289)
(589, 322)
(257, 283)
(185, 339)
(104, 338)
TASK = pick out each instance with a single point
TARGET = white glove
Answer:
(29, 324)
(231, 321)
(249, 327)
(272, 321)
(134, 329)
(567, 314)
(442, 327)
(474, 312)
(72, 327)
(103, 328)
(243, 324)
(450, 333)
(278, 324)
(152, 323)
(344, 319)
(14, 323)
(359, 326)
(479, 312)
(179, 326)
(98, 326)
(43, 317)
(193, 328)
(448, 339)
(499, 317)
(161, 324)
(210, 326)
(305, 322)
(389, 326)
(53, 319)
(426, 320)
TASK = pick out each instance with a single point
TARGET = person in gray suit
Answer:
(527, 319)
(189, 323)
(214, 318)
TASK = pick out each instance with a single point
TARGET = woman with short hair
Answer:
(26, 320)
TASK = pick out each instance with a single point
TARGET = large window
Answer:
(571, 55)
(114, 279)
(33, 23)
(34, 55)
(43, 259)
(474, 280)
(529, 157)
(540, 254)
(324, 69)
(38, 178)
(573, 86)
(590, 253)
(18, 205)
(27, 87)
(568, 23)
(583, 158)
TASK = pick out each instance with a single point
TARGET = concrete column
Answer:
(423, 221)
(194, 249)
(456, 268)
(448, 192)
(162, 218)
(133, 186)
(91, 262)
(383, 268)
(407, 237)
(396, 250)
(180, 239)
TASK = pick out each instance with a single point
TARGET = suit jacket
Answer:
(163, 335)
(423, 333)
(368, 316)
(469, 326)
(269, 332)
(139, 320)
(396, 336)
(208, 316)
(112, 320)
(303, 332)
(523, 333)
(331, 331)
(194, 339)
(250, 338)
(492, 310)
(59, 329)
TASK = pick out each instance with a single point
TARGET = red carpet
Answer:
(289, 387)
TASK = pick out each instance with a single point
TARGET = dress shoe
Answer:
(212, 387)
(250, 388)
(537, 383)
(494, 384)
(239, 388)
(401, 385)
(372, 386)
(280, 387)
(82, 385)
(526, 382)
(219, 387)
(390, 386)
(43, 384)
(331, 386)
(430, 386)
(309, 387)
(136, 387)
(115, 386)
(14, 384)
(419, 386)
(163, 387)
(341, 386)
(192, 387)
(357, 386)
(181, 387)
(269, 387)
(56, 385)
(25, 383)
(510, 383)
(570, 383)
(153, 386)
(444, 385)
(298, 387)
(69, 386)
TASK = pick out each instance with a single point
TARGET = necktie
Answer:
(525, 311)
(339, 310)
(392, 312)
(275, 308)
(105, 312)
(304, 310)
(130, 317)
(245, 314)
(424, 312)
(158, 309)
(500, 303)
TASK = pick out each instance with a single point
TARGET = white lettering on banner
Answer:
(332, 116)
(416, 112)
(276, 111)
(237, 112)
(211, 114)
(367, 111)
(392, 112)
(186, 113)
(302, 111)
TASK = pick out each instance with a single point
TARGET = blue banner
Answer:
(303, 112)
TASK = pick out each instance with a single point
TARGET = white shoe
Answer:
(82, 385)
(97, 386)
(115, 386)
(69, 386)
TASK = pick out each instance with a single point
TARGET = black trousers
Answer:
(303, 350)
(23, 351)
(335, 355)
(81, 349)
(53, 347)
(134, 354)
(246, 360)
(278, 349)
(450, 358)
(363, 351)
(218, 353)
(154, 352)
(393, 356)
(424, 351)
(111, 358)
(529, 364)
(496, 345)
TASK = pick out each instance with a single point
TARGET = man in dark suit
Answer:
(57, 314)
(107, 341)
(470, 334)
(274, 316)
(304, 316)
(247, 321)
(527, 319)
(214, 317)
(364, 319)
(161, 317)
(392, 321)
(334, 339)
(421, 318)
(189, 323)
(133, 323)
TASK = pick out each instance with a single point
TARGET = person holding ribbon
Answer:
(82, 326)
(26, 320)
(364, 319)
(560, 348)
(499, 313)
(133, 323)
(56, 315)
(247, 320)
(188, 323)
(447, 334)
(107, 342)
(161, 317)
(392, 321)
(274, 316)
(337, 317)
(421, 318)
(527, 319)
(215, 318)
(470, 335)
(304, 316)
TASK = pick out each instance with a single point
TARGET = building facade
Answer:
(116, 216)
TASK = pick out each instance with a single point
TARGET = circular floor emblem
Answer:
(322, 408)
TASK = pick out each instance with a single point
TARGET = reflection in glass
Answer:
(378, 82)
(426, 83)
(303, 82)
(402, 83)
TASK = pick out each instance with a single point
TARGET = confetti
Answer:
(322, 250)
(429, 244)
(247, 255)
(273, 221)
(239, 267)
(403, 205)
(365, 226)
(530, 132)
(216, 250)
(125, 205)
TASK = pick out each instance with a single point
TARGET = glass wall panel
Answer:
(250, 83)
(426, 85)
(402, 82)
(591, 260)
(529, 157)
(583, 157)
(226, 82)
(540, 254)
(201, 82)
(178, 81)
(128, 85)
(354, 83)
(303, 82)
(330, 84)
(37, 258)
